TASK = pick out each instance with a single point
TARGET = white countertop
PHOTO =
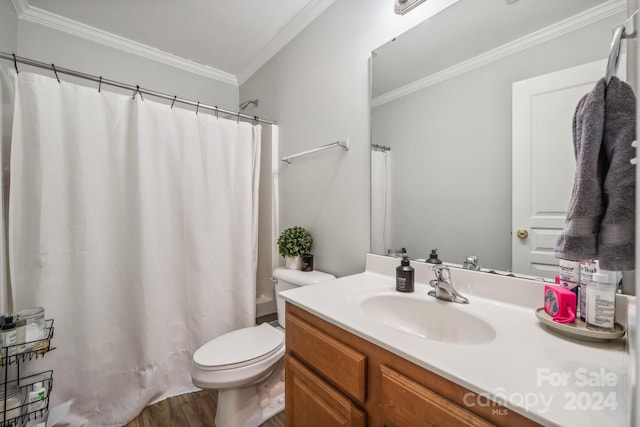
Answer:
(551, 379)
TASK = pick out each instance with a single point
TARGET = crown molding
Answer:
(558, 29)
(39, 16)
(305, 17)
(20, 6)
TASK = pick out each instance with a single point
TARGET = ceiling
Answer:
(232, 38)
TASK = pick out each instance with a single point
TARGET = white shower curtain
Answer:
(6, 115)
(135, 226)
(380, 187)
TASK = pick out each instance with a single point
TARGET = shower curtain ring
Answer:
(137, 91)
(100, 84)
(216, 107)
(238, 119)
(55, 72)
(174, 101)
(15, 63)
(197, 107)
(256, 120)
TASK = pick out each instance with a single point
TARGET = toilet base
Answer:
(253, 405)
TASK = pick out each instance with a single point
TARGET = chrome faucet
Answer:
(443, 285)
(471, 263)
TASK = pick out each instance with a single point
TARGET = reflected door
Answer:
(543, 163)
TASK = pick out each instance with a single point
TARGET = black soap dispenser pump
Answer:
(404, 276)
(433, 258)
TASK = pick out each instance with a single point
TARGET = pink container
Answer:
(560, 304)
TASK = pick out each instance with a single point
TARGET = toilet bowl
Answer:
(246, 365)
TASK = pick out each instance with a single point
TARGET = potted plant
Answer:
(293, 242)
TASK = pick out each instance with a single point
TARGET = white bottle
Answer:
(570, 275)
(36, 397)
(587, 269)
(601, 301)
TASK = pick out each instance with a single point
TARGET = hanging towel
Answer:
(601, 216)
(579, 239)
(616, 241)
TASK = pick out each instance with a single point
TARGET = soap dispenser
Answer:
(433, 258)
(404, 276)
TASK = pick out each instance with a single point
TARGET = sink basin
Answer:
(428, 318)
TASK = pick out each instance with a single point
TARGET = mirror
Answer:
(442, 103)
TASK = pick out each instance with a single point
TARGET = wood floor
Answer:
(188, 410)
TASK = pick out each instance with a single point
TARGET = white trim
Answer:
(288, 33)
(39, 16)
(20, 6)
(578, 21)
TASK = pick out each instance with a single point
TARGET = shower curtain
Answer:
(380, 187)
(5, 136)
(134, 225)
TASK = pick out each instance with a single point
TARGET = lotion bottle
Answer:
(433, 258)
(404, 276)
(601, 301)
(36, 397)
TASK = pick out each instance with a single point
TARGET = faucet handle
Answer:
(441, 271)
(471, 263)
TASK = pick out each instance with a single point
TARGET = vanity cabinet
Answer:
(311, 401)
(334, 378)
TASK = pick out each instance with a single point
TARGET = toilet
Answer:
(246, 366)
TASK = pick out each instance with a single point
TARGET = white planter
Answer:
(292, 262)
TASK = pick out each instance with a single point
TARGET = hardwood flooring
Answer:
(188, 410)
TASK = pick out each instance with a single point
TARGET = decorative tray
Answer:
(579, 330)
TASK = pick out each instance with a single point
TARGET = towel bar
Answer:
(344, 144)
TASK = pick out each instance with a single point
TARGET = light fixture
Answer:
(403, 6)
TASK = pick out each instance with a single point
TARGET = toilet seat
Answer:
(239, 348)
(239, 358)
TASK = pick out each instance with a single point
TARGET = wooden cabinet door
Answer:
(337, 362)
(406, 403)
(311, 402)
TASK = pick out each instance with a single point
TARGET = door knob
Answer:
(522, 233)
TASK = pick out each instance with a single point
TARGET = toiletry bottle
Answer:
(36, 397)
(404, 276)
(433, 258)
(569, 277)
(601, 301)
(8, 336)
(587, 268)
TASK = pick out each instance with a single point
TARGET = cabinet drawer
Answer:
(310, 401)
(342, 365)
(406, 403)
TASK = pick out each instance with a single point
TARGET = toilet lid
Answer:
(239, 348)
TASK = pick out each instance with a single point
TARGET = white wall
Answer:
(317, 88)
(8, 27)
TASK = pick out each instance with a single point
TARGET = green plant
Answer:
(294, 241)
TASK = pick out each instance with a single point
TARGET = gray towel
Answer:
(601, 215)
(579, 239)
(616, 241)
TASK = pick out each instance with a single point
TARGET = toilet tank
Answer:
(285, 279)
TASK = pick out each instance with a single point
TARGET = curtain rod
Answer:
(380, 147)
(136, 89)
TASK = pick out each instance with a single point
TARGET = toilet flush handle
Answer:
(274, 280)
